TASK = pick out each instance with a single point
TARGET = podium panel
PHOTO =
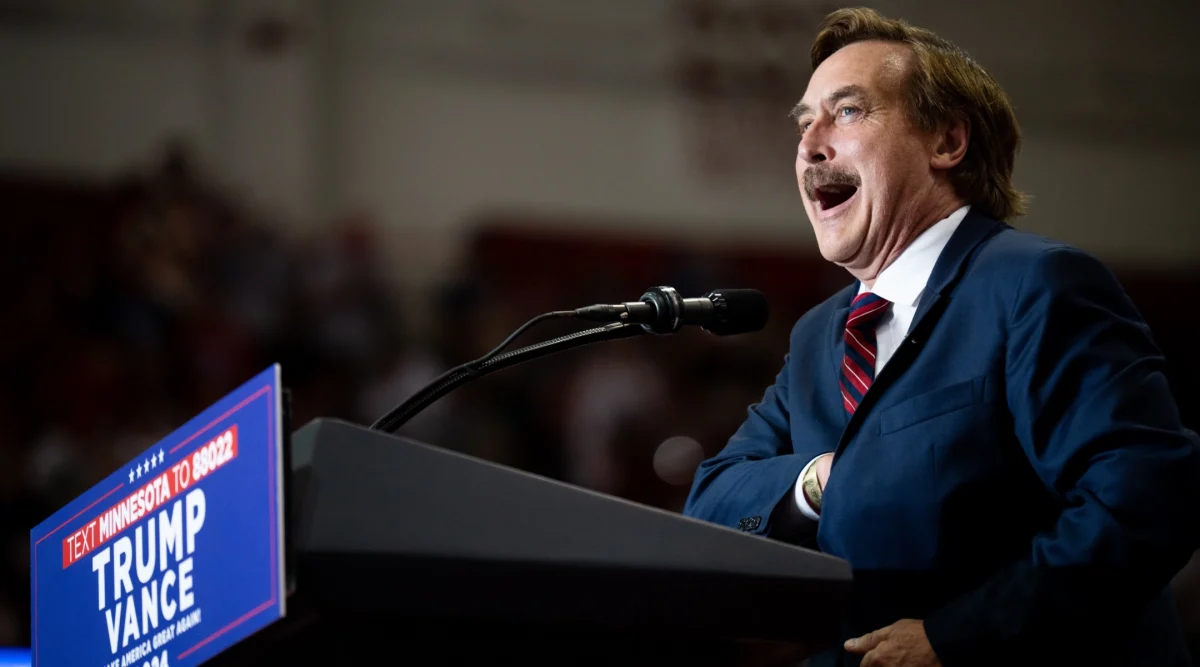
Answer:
(425, 555)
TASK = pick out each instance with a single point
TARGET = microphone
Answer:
(661, 310)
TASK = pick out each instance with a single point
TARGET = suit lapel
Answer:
(972, 231)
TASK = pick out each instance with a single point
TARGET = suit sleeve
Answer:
(750, 484)
(1092, 410)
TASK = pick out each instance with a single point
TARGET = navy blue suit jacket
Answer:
(1018, 476)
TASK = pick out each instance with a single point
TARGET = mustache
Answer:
(825, 175)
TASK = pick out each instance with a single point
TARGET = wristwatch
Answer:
(812, 489)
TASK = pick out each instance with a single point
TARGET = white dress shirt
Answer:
(902, 283)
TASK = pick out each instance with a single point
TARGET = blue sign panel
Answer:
(175, 557)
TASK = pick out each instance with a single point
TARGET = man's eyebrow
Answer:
(847, 91)
(836, 96)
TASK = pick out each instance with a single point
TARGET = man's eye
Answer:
(846, 111)
(802, 127)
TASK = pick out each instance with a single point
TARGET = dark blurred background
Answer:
(368, 192)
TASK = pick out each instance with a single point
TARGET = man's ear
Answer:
(950, 143)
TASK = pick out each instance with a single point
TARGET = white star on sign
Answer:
(139, 471)
(131, 474)
(149, 463)
(160, 456)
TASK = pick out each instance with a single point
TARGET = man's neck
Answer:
(903, 236)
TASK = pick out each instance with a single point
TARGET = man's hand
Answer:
(823, 464)
(901, 644)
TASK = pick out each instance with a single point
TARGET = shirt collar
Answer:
(904, 279)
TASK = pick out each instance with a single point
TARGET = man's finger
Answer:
(873, 658)
(868, 641)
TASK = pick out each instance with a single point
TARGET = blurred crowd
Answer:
(141, 302)
(136, 304)
(133, 305)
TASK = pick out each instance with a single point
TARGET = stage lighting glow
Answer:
(15, 657)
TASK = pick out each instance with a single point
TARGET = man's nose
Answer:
(814, 145)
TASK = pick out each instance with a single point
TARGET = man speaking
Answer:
(980, 424)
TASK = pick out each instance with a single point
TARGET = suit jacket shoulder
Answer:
(1011, 266)
(1012, 252)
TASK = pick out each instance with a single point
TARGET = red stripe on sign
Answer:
(151, 496)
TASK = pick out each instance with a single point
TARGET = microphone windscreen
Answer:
(737, 311)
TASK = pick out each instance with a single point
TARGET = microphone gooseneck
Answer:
(660, 310)
(460, 375)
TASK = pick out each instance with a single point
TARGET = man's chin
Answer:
(836, 238)
(838, 251)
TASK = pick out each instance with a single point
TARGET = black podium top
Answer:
(394, 540)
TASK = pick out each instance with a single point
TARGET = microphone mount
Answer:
(668, 305)
(662, 310)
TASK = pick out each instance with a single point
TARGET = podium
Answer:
(405, 553)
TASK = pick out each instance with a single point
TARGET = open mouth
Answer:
(829, 197)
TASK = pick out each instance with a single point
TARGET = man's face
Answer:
(861, 164)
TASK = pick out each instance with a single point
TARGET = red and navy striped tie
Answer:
(858, 362)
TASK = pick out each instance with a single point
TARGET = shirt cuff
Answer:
(801, 501)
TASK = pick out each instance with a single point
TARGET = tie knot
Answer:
(866, 311)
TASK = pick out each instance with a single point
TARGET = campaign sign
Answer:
(176, 556)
